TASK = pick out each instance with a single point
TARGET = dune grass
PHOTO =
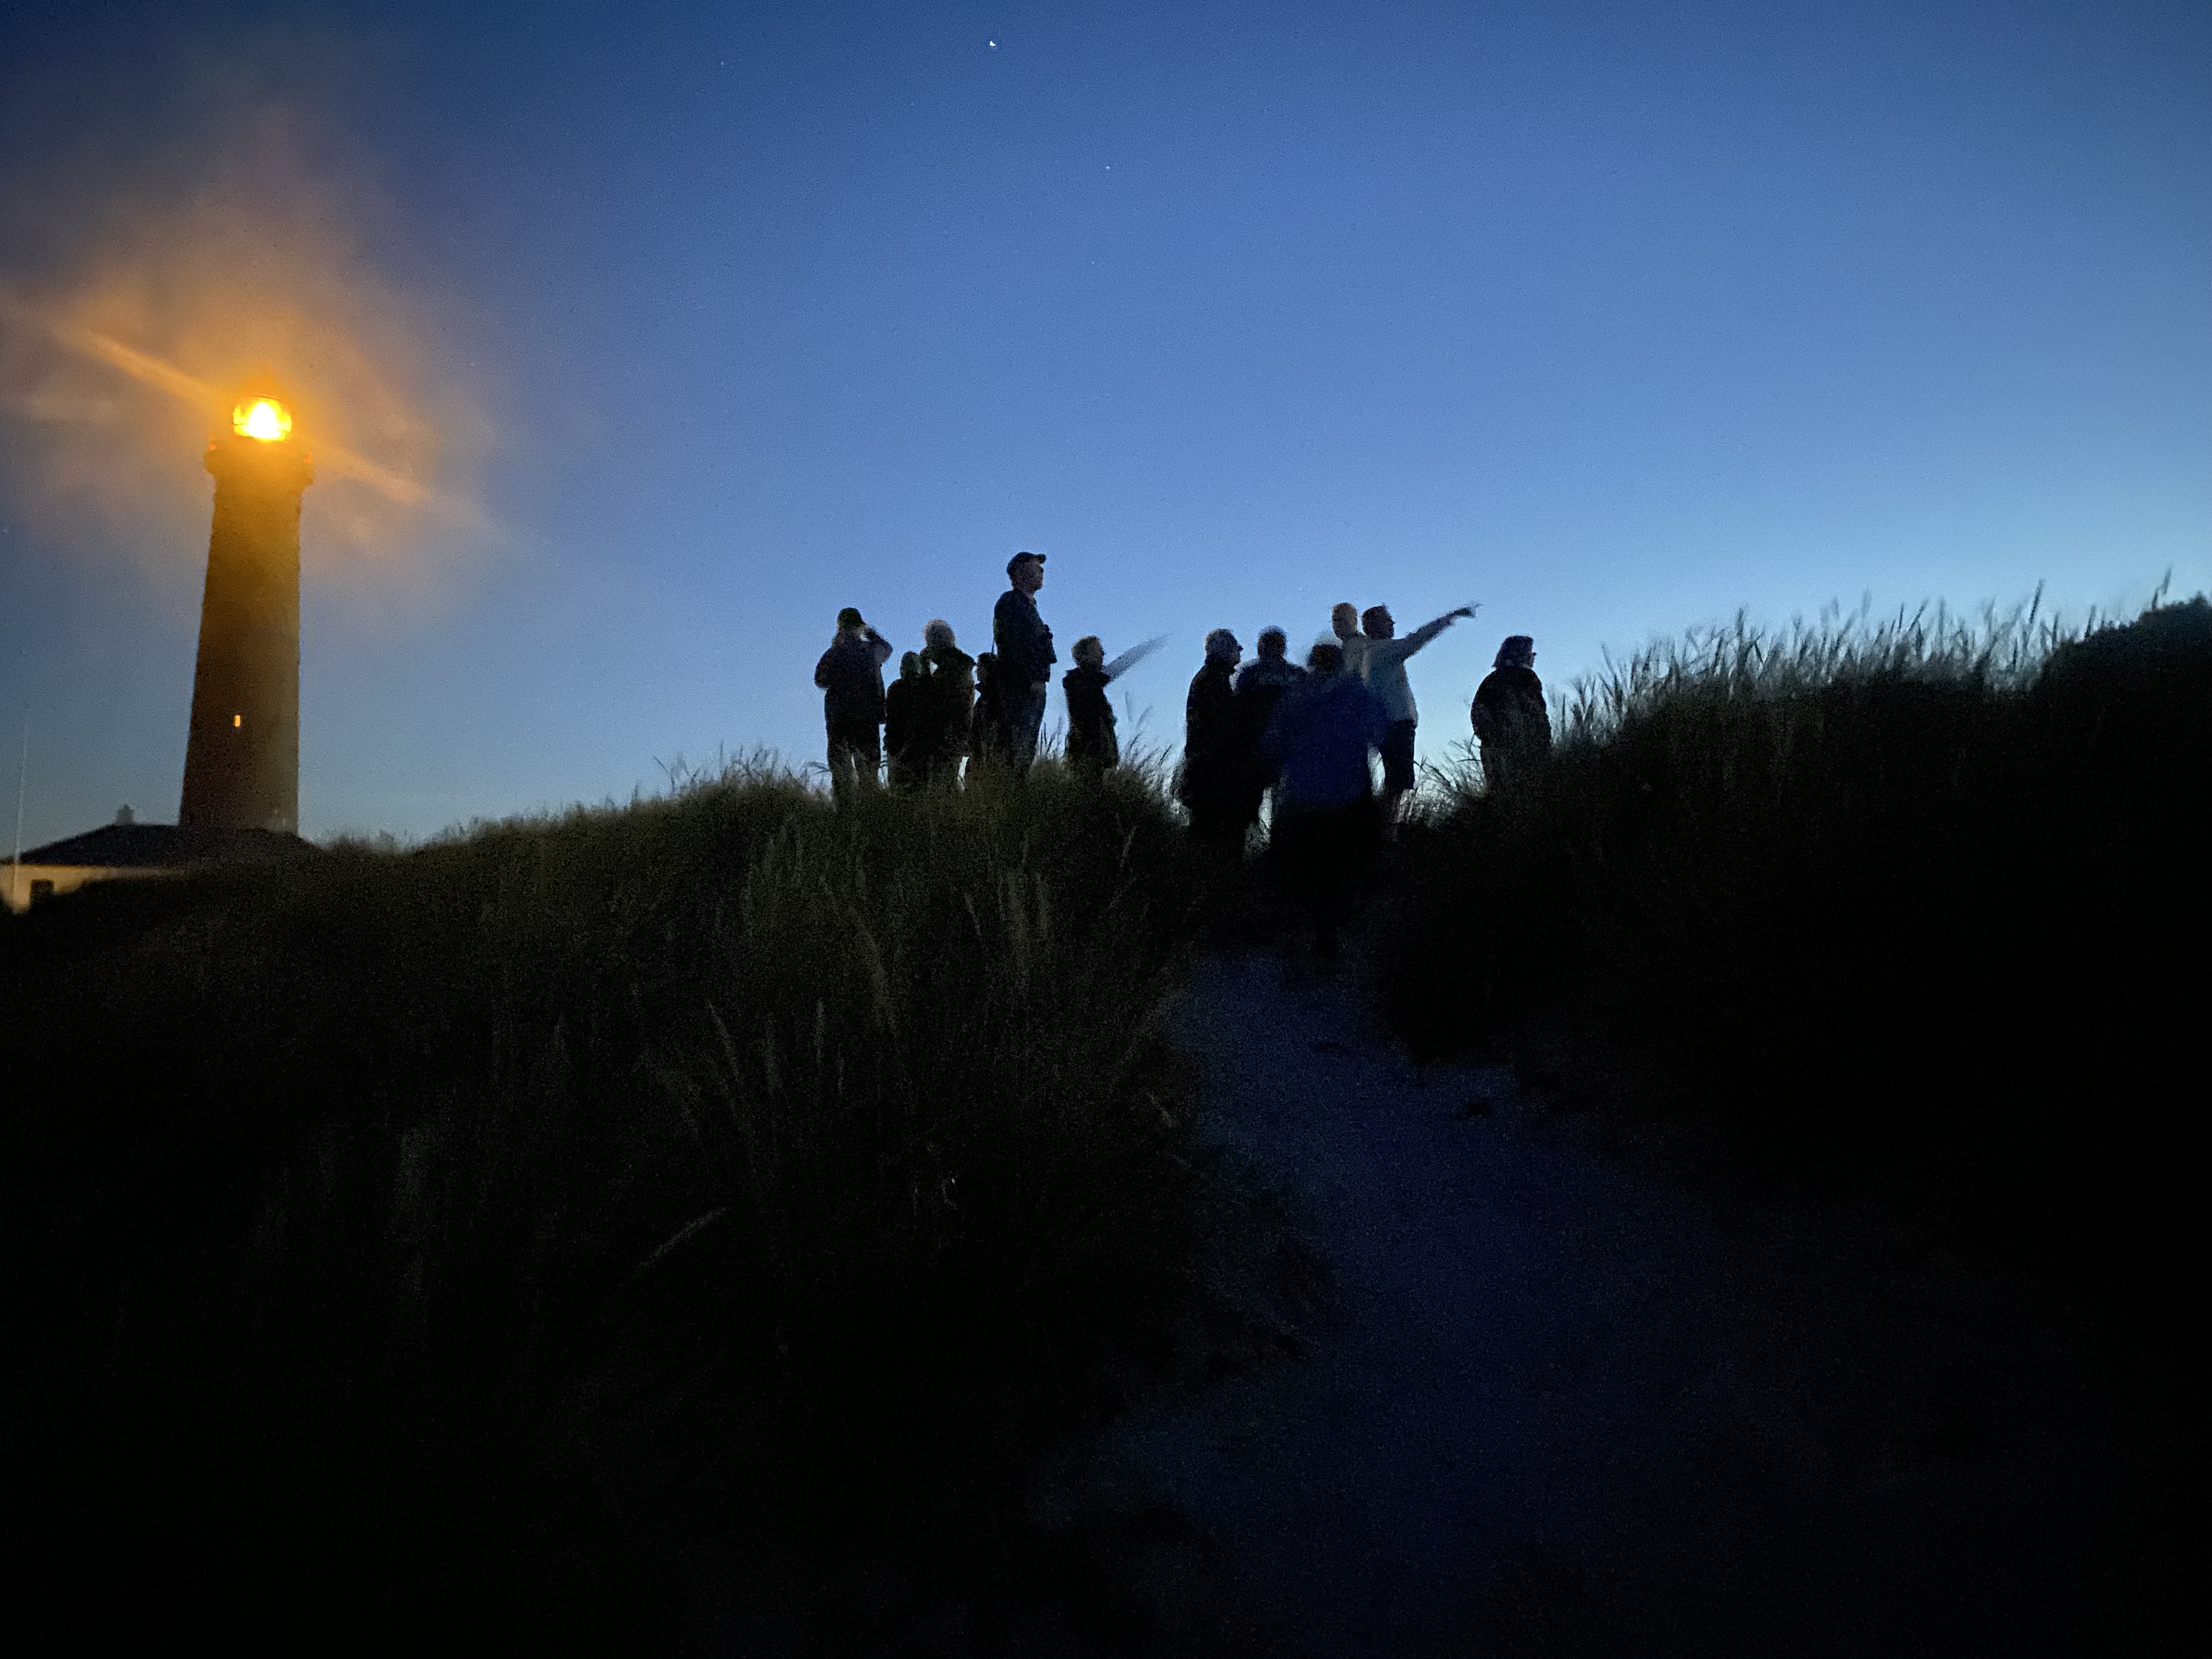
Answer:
(457, 1239)
(1912, 907)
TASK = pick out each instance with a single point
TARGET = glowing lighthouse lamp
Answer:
(242, 757)
(265, 418)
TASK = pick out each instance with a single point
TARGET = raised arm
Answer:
(1135, 654)
(1428, 630)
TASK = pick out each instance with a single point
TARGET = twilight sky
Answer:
(705, 320)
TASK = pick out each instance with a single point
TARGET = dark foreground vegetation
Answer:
(692, 1219)
(1914, 910)
(505, 1235)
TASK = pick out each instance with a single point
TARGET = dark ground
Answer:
(1551, 1401)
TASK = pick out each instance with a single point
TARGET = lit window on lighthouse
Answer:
(238, 719)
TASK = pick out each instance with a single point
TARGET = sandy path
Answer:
(1552, 1407)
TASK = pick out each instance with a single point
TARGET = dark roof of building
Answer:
(159, 845)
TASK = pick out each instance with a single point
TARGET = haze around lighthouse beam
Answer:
(147, 369)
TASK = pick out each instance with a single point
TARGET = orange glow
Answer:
(263, 418)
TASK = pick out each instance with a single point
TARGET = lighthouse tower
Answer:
(242, 757)
(241, 802)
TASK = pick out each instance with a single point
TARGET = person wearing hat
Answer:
(1023, 646)
(851, 675)
(1510, 720)
(1214, 764)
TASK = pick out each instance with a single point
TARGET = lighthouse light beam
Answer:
(148, 370)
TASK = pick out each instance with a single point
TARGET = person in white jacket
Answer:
(1382, 664)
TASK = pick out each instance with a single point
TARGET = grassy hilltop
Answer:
(379, 1224)
(729, 1187)
(1917, 909)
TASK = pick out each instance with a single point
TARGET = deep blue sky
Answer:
(1617, 318)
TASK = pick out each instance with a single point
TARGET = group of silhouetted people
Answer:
(1304, 736)
(946, 706)
(1308, 736)
(1229, 761)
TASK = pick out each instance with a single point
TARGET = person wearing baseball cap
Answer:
(851, 675)
(1025, 656)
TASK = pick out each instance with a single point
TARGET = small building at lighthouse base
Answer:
(127, 850)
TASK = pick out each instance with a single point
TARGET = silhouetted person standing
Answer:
(903, 743)
(1344, 622)
(1025, 658)
(948, 702)
(1092, 746)
(1261, 684)
(1214, 764)
(851, 675)
(1510, 720)
(1320, 737)
(987, 728)
(1383, 666)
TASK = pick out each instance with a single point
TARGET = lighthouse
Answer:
(242, 753)
(241, 801)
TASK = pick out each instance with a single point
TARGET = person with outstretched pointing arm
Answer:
(1382, 664)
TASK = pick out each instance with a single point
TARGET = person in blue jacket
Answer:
(1326, 822)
